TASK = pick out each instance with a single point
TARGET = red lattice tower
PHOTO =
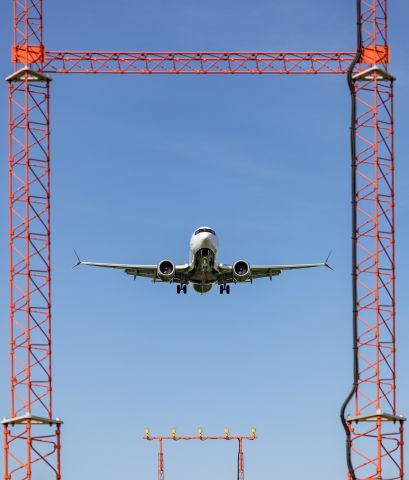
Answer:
(31, 434)
(374, 430)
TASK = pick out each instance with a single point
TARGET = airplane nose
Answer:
(207, 240)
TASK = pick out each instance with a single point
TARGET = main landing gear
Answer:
(181, 288)
(224, 288)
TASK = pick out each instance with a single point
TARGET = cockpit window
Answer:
(205, 230)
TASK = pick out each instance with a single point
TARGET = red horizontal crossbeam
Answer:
(202, 437)
(198, 62)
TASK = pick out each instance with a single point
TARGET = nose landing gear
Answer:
(181, 288)
(224, 288)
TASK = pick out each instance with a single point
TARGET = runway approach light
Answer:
(200, 432)
(226, 432)
(173, 432)
(253, 432)
(147, 432)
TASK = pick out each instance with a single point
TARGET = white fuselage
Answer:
(203, 240)
(203, 251)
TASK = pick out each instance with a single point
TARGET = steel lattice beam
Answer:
(198, 62)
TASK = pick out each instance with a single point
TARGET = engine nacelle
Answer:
(241, 271)
(166, 270)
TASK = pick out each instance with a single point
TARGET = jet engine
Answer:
(241, 271)
(166, 270)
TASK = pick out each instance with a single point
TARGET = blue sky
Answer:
(138, 164)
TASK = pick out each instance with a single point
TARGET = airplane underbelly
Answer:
(202, 288)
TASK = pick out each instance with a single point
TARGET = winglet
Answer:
(78, 259)
(326, 261)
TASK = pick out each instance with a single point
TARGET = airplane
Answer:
(203, 271)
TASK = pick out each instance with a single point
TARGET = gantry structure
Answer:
(374, 430)
(202, 438)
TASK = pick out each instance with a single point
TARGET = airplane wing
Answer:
(131, 269)
(226, 274)
(136, 270)
(260, 271)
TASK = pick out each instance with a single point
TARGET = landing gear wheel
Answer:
(224, 288)
(184, 289)
(178, 289)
